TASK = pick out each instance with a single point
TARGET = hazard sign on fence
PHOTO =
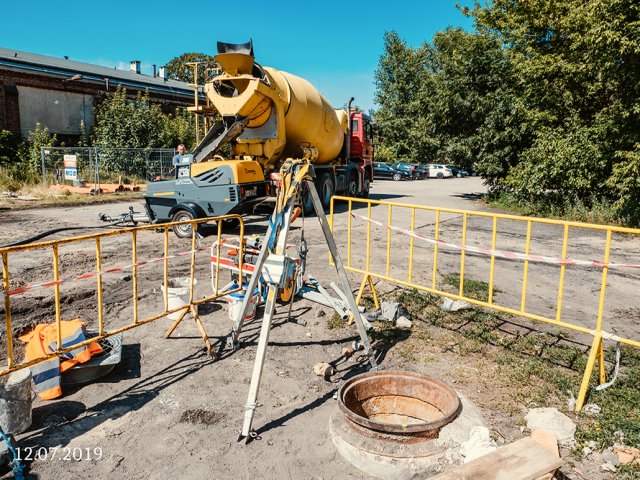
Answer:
(70, 173)
(70, 161)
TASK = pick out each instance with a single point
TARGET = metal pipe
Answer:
(348, 139)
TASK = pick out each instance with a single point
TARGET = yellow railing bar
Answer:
(7, 309)
(192, 270)
(525, 277)
(492, 264)
(549, 221)
(368, 260)
(218, 253)
(389, 240)
(413, 227)
(165, 268)
(483, 304)
(134, 273)
(603, 285)
(462, 253)
(348, 230)
(99, 286)
(565, 243)
(56, 278)
(435, 251)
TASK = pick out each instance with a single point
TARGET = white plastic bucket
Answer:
(235, 300)
(177, 294)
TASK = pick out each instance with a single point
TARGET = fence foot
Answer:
(367, 280)
(176, 323)
(596, 353)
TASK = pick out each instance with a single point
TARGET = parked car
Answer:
(423, 170)
(437, 170)
(384, 170)
(412, 170)
(458, 172)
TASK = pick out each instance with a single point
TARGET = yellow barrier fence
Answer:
(97, 240)
(426, 240)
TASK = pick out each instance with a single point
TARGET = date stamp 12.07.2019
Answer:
(69, 454)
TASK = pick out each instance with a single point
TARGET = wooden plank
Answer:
(549, 441)
(525, 459)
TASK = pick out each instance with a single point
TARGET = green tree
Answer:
(179, 70)
(398, 80)
(576, 68)
(121, 122)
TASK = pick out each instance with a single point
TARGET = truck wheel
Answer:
(397, 177)
(366, 186)
(326, 190)
(182, 231)
(352, 187)
(307, 203)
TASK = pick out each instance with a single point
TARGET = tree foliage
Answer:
(179, 70)
(543, 98)
(138, 123)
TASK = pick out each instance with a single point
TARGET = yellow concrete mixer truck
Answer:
(263, 117)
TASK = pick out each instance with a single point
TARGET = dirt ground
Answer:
(170, 411)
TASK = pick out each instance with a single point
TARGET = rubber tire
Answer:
(326, 190)
(182, 231)
(440, 175)
(459, 175)
(230, 224)
(307, 203)
(397, 177)
(352, 185)
(366, 187)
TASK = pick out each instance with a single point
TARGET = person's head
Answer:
(182, 149)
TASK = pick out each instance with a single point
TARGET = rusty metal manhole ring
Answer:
(404, 403)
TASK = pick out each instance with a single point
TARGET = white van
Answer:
(437, 170)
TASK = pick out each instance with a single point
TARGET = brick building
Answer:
(60, 93)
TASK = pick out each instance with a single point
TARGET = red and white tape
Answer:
(78, 278)
(499, 253)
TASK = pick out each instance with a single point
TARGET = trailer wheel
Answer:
(182, 231)
(327, 190)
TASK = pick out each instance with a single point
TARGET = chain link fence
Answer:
(93, 166)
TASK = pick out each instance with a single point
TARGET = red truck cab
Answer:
(362, 143)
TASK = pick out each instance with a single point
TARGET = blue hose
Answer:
(16, 465)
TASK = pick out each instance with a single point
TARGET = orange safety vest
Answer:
(42, 341)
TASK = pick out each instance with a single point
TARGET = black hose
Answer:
(56, 230)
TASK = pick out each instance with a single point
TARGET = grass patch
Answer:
(620, 406)
(532, 368)
(476, 289)
(335, 322)
(598, 211)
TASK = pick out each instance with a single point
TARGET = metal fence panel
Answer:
(96, 165)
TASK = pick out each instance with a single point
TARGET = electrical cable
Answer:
(57, 230)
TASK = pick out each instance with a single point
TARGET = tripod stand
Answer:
(276, 269)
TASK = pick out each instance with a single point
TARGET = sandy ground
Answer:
(169, 411)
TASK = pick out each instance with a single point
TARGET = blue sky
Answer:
(333, 44)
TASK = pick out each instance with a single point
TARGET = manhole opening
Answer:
(399, 403)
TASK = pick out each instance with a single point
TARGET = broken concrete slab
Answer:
(450, 305)
(479, 444)
(404, 322)
(552, 420)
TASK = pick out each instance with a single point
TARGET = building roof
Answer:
(43, 64)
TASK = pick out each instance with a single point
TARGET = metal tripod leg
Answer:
(256, 376)
(269, 310)
(322, 218)
(253, 283)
